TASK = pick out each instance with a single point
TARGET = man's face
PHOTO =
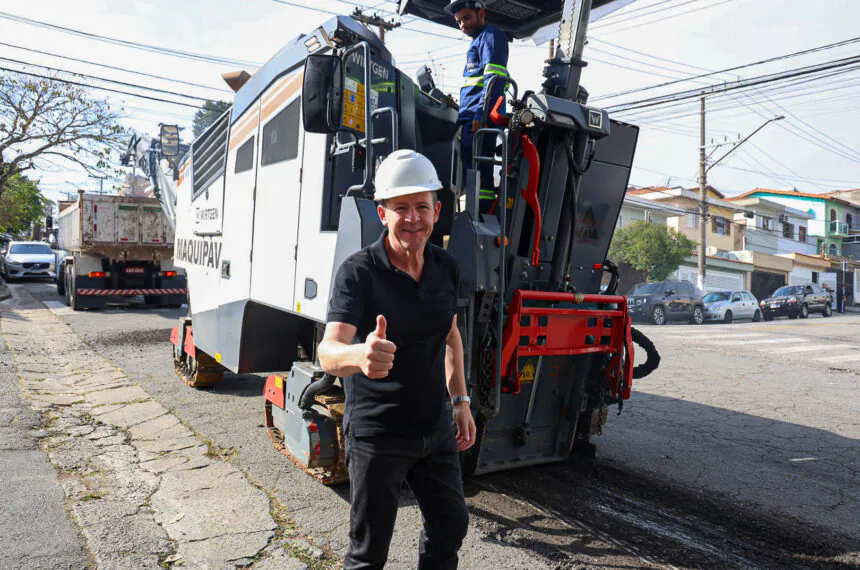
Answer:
(470, 21)
(410, 219)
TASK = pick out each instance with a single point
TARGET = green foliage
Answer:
(655, 250)
(46, 122)
(206, 116)
(20, 206)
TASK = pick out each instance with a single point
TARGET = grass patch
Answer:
(92, 496)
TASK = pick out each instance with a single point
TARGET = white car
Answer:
(28, 259)
(727, 306)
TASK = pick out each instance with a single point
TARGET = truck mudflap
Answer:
(549, 330)
(129, 292)
(192, 365)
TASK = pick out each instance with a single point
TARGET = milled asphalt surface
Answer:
(776, 436)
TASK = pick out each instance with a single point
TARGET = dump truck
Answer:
(112, 247)
(279, 191)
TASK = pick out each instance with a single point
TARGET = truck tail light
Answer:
(168, 274)
(96, 274)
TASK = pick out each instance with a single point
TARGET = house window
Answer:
(788, 230)
(833, 249)
(801, 234)
(281, 136)
(766, 223)
(692, 221)
(849, 219)
(720, 226)
(833, 217)
(815, 277)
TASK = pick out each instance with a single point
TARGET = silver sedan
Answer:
(25, 259)
(727, 306)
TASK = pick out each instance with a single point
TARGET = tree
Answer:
(207, 115)
(21, 205)
(45, 120)
(653, 250)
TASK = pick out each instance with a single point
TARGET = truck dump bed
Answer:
(121, 227)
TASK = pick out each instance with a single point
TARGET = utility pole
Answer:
(703, 199)
(375, 20)
(704, 168)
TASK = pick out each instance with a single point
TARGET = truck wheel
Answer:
(728, 317)
(804, 311)
(757, 316)
(828, 310)
(61, 282)
(71, 290)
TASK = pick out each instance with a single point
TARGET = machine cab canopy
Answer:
(519, 18)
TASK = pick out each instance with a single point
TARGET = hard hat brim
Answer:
(405, 191)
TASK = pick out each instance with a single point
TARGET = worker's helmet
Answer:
(455, 5)
(405, 172)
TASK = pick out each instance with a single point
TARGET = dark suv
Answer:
(666, 301)
(795, 301)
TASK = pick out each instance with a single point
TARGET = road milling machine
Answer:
(279, 191)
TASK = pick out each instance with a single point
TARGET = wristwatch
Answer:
(458, 399)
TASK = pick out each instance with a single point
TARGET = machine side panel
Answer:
(278, 192)
(316, 252)
(236, 252)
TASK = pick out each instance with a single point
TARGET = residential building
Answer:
(721, 234)
(636, 208)
(851, 244)
(770, 227)
(832, 216)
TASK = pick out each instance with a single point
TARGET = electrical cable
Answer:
(126, 43)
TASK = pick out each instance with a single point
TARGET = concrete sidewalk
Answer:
(145, 490)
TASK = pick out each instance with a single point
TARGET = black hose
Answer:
(306, 401)
(653, 360)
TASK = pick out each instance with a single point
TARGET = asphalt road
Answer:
(737, 453)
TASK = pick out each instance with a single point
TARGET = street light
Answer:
(704, 168)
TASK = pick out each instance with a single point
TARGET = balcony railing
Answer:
(837, 228)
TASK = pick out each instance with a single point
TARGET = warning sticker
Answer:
(527, 372)
(279, 382)
(353, 105)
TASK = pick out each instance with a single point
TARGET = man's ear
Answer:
(380, 210)
(438, 211)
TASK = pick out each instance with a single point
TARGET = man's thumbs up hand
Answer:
(378, 352)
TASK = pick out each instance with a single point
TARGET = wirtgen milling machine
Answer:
(279, 191)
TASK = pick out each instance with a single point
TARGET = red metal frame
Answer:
(188, 344)
(530, 192)
(554, 331)
(273, 393)
(174, 336)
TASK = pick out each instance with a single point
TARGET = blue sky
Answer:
(816, 148)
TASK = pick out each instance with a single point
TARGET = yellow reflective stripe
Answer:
(474, 81)
(487, 193)
(496, 69)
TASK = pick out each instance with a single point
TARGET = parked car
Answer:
(727, 306)
(665, 301)
(795, 301)
(27, 259)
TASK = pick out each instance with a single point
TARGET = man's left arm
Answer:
(456, 374)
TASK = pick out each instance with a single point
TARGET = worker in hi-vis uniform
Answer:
(487, 56)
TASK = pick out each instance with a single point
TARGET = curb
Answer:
(5, 293)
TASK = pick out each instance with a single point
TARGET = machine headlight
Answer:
(792, 300)
(763, 303)
(640, 301)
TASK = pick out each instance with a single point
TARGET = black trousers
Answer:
(378, 465)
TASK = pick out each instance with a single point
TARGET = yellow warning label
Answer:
(298, 307)
(279, 383)
(218, 357)
(353, 105)
(527, 372)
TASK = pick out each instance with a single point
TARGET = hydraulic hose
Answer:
(306, 401)
(653, 360)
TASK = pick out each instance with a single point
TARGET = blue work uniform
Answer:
(487, 57)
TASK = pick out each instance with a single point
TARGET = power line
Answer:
(146, 47)
(673, 16)
(735, 68)
(115, 68)
(114, 81)
(109, 90)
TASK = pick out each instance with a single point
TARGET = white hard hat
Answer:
(456, 5)
(405, 172)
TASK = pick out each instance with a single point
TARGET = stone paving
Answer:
(145, 490)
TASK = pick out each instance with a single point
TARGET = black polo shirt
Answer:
(412, 399)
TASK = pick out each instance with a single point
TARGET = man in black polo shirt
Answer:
(399, 295)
